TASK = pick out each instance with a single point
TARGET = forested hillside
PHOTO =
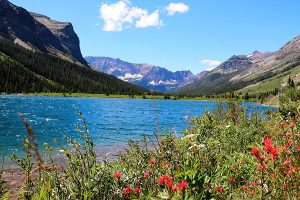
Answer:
(24, 71)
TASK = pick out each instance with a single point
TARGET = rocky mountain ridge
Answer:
(145, 75)
(240, 71)
(39, 33)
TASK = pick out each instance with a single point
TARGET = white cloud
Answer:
(122, 14)
(212, 64)
(175, 8)
(149, 20)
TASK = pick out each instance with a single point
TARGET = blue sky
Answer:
(193, 35)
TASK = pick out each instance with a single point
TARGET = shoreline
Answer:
(117, 96)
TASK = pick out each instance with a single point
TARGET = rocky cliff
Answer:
(39, 33)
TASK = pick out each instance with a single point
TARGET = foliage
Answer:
(226, 154)
(24, 71)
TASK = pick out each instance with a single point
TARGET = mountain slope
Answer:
(145, 75)
(26, 71)
(39, 33)
(241, 71)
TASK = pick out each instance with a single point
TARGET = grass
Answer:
(271, 83)
(226, 154)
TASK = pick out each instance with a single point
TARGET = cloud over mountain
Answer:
(122, 14)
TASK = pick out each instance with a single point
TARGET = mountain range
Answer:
(244, 70)
(145, 75)
(39, 54)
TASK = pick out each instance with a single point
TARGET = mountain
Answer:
(25, 71)
(39, 33)
(243, 70)
(145, 75)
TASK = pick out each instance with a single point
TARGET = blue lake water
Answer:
(111, 121)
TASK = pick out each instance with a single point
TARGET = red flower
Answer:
(252, 184)
(288, 134)
(255, 152)
(146, 174)
(292, 125)
(268, 145)
(262, 166)
(174, 188)
(183, 185)
(127, 190)
(153, 161)
(163, 179)
(282, 124)
(244, 187)
(231, 180)
(274, 153)
(273, 175)
(287, 162)
(219, 189)
(285, 186)
(298, 148)
(118, 175)
(170, 182)
(137, 190)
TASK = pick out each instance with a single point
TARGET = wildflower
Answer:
(273, 175)
(244, 187)
(231, 180)
(174, 188)
(127, 190)
(298, 148)
(268, 145)
(292, 170)
(153, 161)
(183, 185)
(219, 189)
(252, 192)
(274, 153)
(252, 184)
(137, 190)
(285, 186)
(262, 166)
(288, 134)
(287, 162)
(146, 174)
(292, 125)
(163, 179)
(167, 166)
(258, 182)
(232, 167)
(257, 154)
(169, 182)
(282, 124)
(117, 175)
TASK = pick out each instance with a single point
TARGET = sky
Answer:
(178, 35)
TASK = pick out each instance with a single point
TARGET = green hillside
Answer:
(24, 71)
(271, 84)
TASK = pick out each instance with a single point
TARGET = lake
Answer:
(112, 122)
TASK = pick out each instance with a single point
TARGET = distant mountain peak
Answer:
(146, 75)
